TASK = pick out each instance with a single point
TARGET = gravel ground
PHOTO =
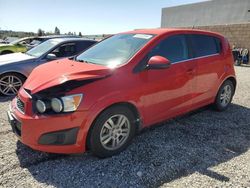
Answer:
(201, 149)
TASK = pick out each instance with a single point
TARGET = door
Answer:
(168, 92)
(207, 52)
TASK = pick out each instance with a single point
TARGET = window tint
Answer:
(83, 45)
(205, 45)
(173, 48)
(65, 50)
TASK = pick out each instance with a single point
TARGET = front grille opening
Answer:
(20, 105)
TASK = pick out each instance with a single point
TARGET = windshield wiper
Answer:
(83, 61)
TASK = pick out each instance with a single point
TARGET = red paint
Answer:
(157, 94)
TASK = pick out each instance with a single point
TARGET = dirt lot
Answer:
(202, 149)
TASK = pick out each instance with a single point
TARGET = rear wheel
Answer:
(10, 83)
(112, 131)
(224, 96)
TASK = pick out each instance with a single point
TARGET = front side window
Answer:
(65, 50)
(204, 45)
(173, 48)
(116, 50)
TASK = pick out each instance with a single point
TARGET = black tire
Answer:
(18, 76)
(6, 52)
(94, 136)
(219, 105)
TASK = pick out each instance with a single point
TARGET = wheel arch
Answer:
(128, 105)
(230, 78)
(233, 80)
(13, 72)
(8, 51)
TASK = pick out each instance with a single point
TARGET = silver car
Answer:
(15, 68)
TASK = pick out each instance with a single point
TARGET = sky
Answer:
(86, 16)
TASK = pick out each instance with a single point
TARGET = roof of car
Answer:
(163, 31)
(71, 39)
(59, 36)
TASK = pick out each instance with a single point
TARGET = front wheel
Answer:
(112, 131)
(224, 96)
(6, 52)
(10, 83)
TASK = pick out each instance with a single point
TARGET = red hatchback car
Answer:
(102, 97)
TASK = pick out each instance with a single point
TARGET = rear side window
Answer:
(173, 48)
(204, 45)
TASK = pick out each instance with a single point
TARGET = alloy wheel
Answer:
(115, 131)
(10, 84)
(226, 95)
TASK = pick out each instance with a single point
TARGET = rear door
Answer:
(207, 53)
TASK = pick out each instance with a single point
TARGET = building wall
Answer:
(215, 12)
(237, 34)
(231, 18)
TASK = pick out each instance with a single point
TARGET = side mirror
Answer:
(158, 62)
(51, 57)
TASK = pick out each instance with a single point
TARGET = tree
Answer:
(40, 32)
(49, 33)
(80, 34)
(57, 31)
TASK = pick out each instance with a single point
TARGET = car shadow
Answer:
(243, 65)
(195, 142)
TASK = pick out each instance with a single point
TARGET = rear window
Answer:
(204, 45)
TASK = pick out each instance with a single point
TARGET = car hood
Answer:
(59, 72)
(13, 58)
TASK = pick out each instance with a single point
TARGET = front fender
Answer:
(23, 70)
(95, 110)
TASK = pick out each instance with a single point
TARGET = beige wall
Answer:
(238, 34)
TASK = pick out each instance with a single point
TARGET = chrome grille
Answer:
(20, 105)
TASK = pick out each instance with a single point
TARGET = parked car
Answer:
(15, 46)
(24, 44)
(15, 68)
(132, 80)
(3, 41)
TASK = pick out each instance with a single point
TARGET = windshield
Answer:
(115, 50)
(42, 48)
